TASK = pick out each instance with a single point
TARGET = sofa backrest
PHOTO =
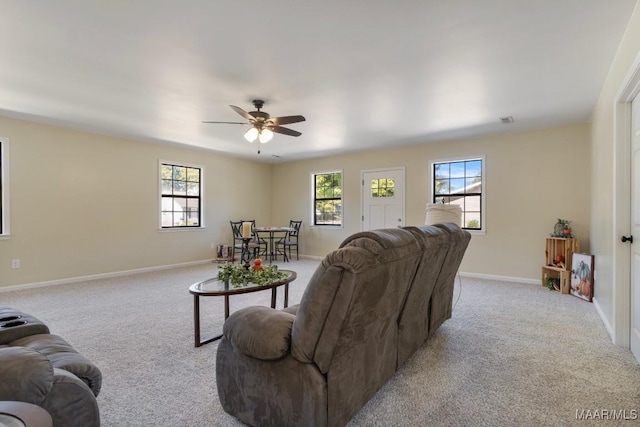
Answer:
(429, 300)
(413, 322)
(347, 321)
(442, 295)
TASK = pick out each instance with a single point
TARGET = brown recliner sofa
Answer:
(369, 305)
(43, 369)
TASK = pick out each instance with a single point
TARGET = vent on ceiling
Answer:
(506, 120)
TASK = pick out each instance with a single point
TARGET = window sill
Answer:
(178, 229)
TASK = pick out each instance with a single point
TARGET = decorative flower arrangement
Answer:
(562, 229)
(239, 275)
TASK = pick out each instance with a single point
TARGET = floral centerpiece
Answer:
(239, 275)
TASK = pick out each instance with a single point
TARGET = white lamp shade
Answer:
(251, 134)
(265, 135)
(440, 213)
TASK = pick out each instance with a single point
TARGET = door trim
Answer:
(629, 89)
(401, 169)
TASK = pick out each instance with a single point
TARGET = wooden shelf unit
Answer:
(563, 275)
(557, 255)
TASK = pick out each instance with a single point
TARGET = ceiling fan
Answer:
(262, 124)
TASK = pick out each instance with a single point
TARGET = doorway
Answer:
(626, 286)
(382, 198)
(634, 338)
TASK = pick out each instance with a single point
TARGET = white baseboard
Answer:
(186, 264)
(501, 278)
(98, 276)
(605, 322)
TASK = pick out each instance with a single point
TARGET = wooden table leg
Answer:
(274, 294)
(226, 307)
(286, 295)
(196, 319)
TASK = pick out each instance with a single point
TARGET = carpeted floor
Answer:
(511, 355)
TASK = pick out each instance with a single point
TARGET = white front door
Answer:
(382, 198)
(635, 228)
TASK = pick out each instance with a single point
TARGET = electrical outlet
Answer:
(213, 245)
(15, 263)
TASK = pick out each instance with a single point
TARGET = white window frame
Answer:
(4, 194)
(202, 196)
(312, 199)
(483, 197)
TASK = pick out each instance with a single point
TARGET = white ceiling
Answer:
(365, 73)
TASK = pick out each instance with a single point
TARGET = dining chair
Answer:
(236, 228)
(290, 240)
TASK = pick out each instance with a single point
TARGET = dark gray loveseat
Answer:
(43, 369)
(367, 308)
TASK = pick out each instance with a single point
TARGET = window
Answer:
(383, 187)
(327, 198)
(4, 188)
(460, 182)
(180, 196)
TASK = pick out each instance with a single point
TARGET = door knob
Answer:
(626, 239)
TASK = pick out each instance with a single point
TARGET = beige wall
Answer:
(604, 236)
(532, 179)
(85, 204)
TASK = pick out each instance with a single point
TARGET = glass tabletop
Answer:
(214, 286)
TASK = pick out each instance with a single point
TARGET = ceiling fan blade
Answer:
(287, 120)
(242, 113)
(285, 131)
(230, 123)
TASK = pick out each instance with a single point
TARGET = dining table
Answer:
(271, 234)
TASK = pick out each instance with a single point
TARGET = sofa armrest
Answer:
(260, 332)
(292, 309)
(71, 402)
(15, 324)
(27, 375)
(62, 355)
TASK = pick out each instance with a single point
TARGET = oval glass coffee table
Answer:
(215, 288)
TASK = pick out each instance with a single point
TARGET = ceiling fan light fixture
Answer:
(263, 126)
(252, 134)
(265, 135)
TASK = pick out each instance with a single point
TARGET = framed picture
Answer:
(582, 276)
